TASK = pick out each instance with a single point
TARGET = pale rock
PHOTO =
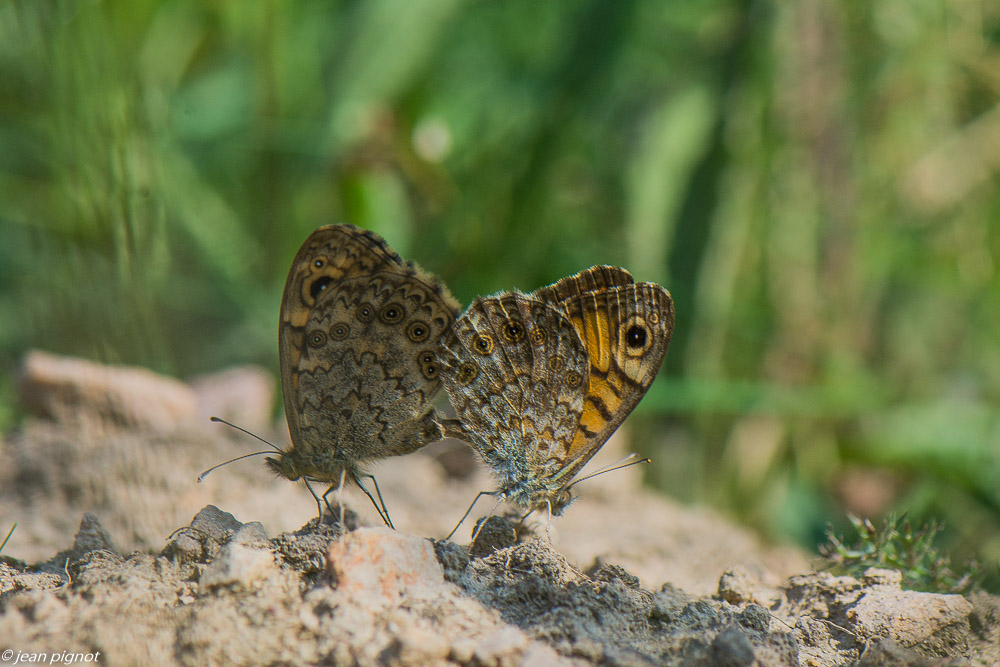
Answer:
(909, 617)
(68, 389)
(876, 576)
(251, 534)
(376, 567)
(238, 564)
(51, 611)
(242, 395)
(462, 650)
(542, 655)
(419, 647)
(505, 641)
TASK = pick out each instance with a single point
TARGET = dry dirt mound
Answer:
(222, 592)
(626, 577)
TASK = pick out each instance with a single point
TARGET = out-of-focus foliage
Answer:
(816, 183)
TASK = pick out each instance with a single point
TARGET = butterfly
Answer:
(358, 339)
(540, 381)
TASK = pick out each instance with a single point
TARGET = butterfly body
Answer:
(538, 407)
(357, 339)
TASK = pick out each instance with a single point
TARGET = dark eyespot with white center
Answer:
(392, 313)
(513, 331)
(340, 331)
(318, 285)
(316, 339)
(635, 336)
(418, 331)
(365, 312)
(482, 345)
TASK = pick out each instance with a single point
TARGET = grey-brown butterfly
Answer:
(541, 381)
(357, 339)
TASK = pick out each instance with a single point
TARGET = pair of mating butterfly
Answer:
(539, 381)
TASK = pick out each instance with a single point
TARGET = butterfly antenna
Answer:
(630, 460)
(244, 456)
(225, 463)
(243, 430)
(9, 533)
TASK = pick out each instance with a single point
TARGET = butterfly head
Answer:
(536, 492)
(562, 499)
(285, 466)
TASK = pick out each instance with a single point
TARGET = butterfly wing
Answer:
(330, 255)
(515, 372)
(594, 279)
(357, 339)
(625, 328)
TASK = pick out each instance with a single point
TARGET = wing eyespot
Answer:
(466, 374)
(316, 339)
(427, 361)
(483, 345)
(318, 285)
(340, 331)
(392, 313)
(636, 338)
(513, 331)
(365, 312)
(418, 331)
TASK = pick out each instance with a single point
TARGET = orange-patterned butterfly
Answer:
(540, 381)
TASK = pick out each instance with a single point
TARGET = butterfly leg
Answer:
(500, 498)
(468, 511)
(319, 503)
(548, 518)
(380, 507)
(340, 500)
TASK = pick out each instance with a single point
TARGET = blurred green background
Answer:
(818, 184)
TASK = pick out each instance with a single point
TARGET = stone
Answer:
(69, 389)
(908, 617)
(505, 641)
(736, 586)
(731, 648)
(378, 566)
(238, 565)
(242, 395)
(91, 536)
(251, 534)
(887, 653)
(493, 534)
